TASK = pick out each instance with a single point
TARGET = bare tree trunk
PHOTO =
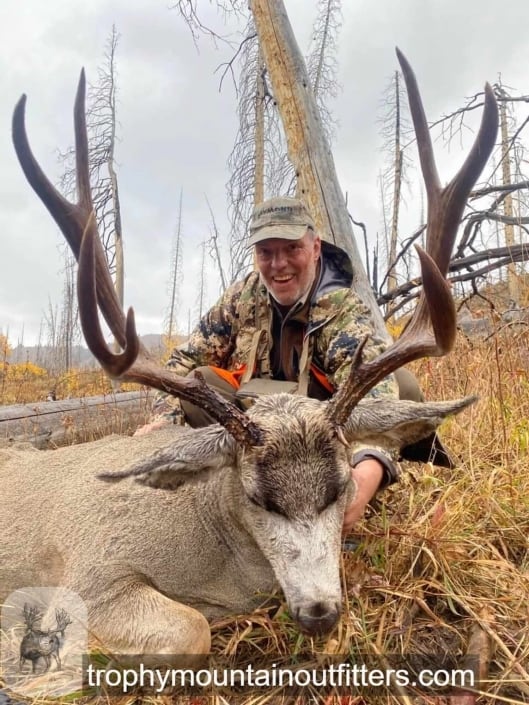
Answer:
(259, 177)
(119, 276)
(214, 249)
(259, 173)
(394, 234)
(512, 279)
(51, 362)
(69, 313)
(202, 286)
(307, 146)
(397, 181)
(38, 353)
(385, 235)
(175, 274)
(322, 62)
(375, 266)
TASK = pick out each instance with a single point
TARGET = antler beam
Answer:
(95, 287)
(432, 328)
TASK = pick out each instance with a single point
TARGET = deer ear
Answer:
(397, 423)
(192, 453)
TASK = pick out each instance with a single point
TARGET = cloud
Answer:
(176, 128)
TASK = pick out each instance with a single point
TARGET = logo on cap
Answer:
(284, 218)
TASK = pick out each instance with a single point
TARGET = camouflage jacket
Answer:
(337, 321)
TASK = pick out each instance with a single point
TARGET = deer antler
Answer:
(436, 306)
(95, 288)
(62, 619)
(32, 614)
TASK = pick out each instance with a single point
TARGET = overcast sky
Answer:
(177, 129)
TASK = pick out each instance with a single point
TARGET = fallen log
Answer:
(49, 424)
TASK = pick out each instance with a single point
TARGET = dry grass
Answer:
(25, 383)
(442, 569)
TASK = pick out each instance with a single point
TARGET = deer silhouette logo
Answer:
(38, 644)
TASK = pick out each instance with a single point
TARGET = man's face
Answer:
(288, 267)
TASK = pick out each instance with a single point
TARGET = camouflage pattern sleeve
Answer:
(339, 340)
(210, 343)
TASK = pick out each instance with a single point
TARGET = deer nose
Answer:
(318, 618)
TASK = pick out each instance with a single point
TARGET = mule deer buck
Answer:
(217, 518)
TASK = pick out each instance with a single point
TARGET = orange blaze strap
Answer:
(322, 378)
(233, 378)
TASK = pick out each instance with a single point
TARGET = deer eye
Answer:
(332, 495)
(265, 503)
(274, 508)
(256, 500)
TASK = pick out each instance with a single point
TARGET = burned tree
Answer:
(395, 131)
(497, 209)
(171, 325)
(102, 128)
(260, 164)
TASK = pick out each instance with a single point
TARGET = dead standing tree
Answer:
(67, 324)
(322, 62)
(102, 130)
(250, 151)
(501, 203)
(308, 147)
(259, 163)
(201, 295)
(396, 131)
(175, 279)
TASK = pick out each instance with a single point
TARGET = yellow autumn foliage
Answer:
(5, 348)
(22, 371)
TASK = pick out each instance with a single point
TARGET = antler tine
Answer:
(114, 364)
(72, 218)
(446, 206)
(134, 364)
(436, 306)
(95, 288)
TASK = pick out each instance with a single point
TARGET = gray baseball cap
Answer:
(285, 218)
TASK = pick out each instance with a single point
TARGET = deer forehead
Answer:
(288, 412)
(301, 466)
(298, 436)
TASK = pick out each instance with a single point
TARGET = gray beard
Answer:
(302, 299)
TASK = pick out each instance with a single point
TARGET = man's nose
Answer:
(279, 259)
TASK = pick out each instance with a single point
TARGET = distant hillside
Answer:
(46, 356)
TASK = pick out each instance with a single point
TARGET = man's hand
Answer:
(159, 423)
(368, 475)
